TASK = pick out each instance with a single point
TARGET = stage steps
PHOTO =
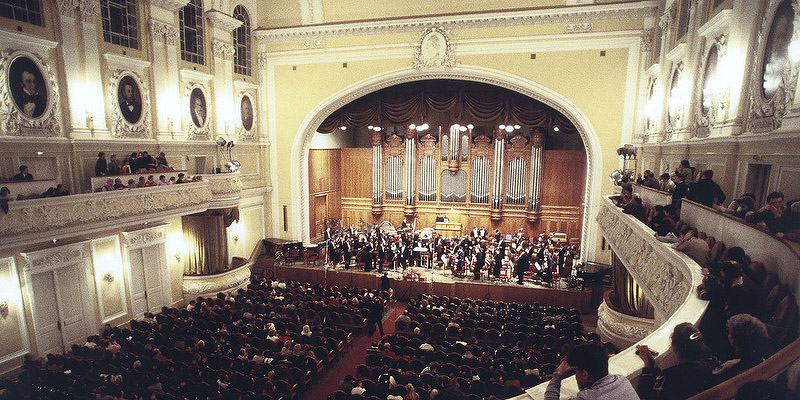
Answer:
(263, 264)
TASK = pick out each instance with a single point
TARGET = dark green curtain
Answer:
(627, 297)
(439, 102)
(207, 244)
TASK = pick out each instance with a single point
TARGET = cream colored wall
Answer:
(14, 339)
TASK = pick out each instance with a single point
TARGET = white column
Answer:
(222, 26)
(165, 97)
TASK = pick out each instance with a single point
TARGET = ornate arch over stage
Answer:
(307, 129)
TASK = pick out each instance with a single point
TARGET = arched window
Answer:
(120, 22)
(191, 19)
(29, 11)
(242, 58)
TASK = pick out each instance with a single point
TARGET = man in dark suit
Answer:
(480, 261)
(101, 166)
(30, 100)
(129, 105)
(523, 263)
(23, 175)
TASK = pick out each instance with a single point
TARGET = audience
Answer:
(706, 192)
(589, 362)
(23, 175)
(101, 166)
(690, 376)
(780, 221)
(694, 247)
(749, 337)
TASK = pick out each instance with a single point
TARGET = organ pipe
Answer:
(411, 163)
(537, 147)
(497, 179)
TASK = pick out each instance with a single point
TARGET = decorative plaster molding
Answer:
(647, 41)
(195, 76)
(222, 184)
(68, 8)
(209, 285)
(34, 44)
(263, 61)
(314, 44)
(55, 257)
(89, 10)
(145, 237)
(43, 219)
(580, 27)
(624, 329)
(219, 20)
(121, 127)
(435, 50)
(718, 25)
(311, 12)
(169, 5)
(163, 33)
(666, 284)
(16, 122)
(542, 16)
(222, 50)
(767, 115)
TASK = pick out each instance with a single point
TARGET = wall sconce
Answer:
(169, 124)
(4, 309)
(108, 277)
(176, 246)
(90, 121)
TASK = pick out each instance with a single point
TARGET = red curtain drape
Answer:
(443, 102)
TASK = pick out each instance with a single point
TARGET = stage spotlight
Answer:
(233, 165)
(221, 141)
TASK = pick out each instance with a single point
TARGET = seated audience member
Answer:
(162, 180)
(637, 209)
(118, 184)
(148, 162)
(60, 191)
(694, 247)
(131, 184)
(706, 191)
(181, 178)
(359, 389)
(107, 187)
(690, 376)
(589, 361)
(740, 289)
(133, 163)
(650, 180)
(172, 180)
(780, 221)
(748, 336)
(101, 166)
(661, 222)
(113, 166)
(150, 181)
(23, 175)
(624, 198)
(665, 184)
(162, 159)
(141, 182)
(742, 206)
(5, 197)
(764, 390)
(680, 191)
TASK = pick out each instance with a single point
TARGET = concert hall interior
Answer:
(506, 179)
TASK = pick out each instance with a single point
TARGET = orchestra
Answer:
(477, 255)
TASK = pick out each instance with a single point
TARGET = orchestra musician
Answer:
(480, 261)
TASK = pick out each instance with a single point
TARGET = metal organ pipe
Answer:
(536, 177)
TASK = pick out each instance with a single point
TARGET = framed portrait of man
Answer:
(27, 87)
(246, 112)
(197, 107)
(129, 99)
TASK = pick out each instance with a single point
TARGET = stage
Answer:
(438, 283)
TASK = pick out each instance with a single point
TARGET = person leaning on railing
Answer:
(781, 221)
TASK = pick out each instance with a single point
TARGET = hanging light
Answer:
(412, 126)
(556, 129)
(344, 128)
(470, 126)
(516, 126)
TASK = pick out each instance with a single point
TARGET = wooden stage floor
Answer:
(439, 284)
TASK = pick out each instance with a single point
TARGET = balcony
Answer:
(45, 219)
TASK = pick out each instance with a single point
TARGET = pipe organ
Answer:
(458, 165)
(515, 186)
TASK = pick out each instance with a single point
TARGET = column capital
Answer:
(169, 5)
(499, 134)
(68, 8)
(222, 50)
(262, 60)
(163, 32)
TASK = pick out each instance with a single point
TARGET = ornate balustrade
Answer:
(667, 278)
(226, 189)
(652, 197)
(45, 219)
